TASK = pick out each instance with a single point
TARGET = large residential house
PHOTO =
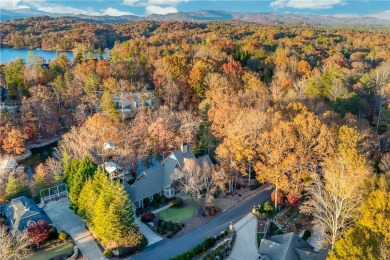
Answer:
(161, 179)
(286, 247)
(22, 212)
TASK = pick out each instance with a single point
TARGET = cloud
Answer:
(306, 4)
(61, 9)
(114, 12)
(166, 3)
(154, 9)
(131, 2)
(11, 5)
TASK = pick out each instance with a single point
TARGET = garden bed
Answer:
(287, 214)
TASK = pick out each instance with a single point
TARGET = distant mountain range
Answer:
(206, 15)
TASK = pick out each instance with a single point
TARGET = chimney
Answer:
(184, 147)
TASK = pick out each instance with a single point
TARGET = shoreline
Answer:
(39, 145)
(27, 153)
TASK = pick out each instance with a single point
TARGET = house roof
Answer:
(22, 211)
(179, 156)
(286, 247)
(147, 184)
(156, 179)
(110, 167)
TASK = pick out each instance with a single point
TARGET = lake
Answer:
(8, 54)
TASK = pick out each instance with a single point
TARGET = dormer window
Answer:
(30, 223)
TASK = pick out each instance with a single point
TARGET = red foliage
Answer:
(38, 232)
(147, 217)
(233, 68)
(293, 199)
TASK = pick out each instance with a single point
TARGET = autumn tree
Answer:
(14, 142)
(197, 74)
(291, 148)
(38, 232)
(369, 238)
(335, 199)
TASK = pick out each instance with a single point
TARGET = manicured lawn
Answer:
(52, 252)
(179, 214)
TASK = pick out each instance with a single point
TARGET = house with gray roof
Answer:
(286, 247)
(22, 212)
(160, 179)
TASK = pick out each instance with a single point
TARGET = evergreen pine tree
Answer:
(108, 106)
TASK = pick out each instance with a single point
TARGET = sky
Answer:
(147, 7)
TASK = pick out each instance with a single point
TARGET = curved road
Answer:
(169, 248)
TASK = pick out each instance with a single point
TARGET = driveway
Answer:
(65, 219)
(245, 245)
(169, 248)
(148, 233)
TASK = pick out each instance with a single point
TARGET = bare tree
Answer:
(55, 168)
(384, 164)
(335, 199)
(201, 180)
(13, 245)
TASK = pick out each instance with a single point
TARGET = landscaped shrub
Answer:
(146, 202)
(176, 203)
(53, 234)
(62, 235)
(163, 199)
(199, 249)
(211, 211)
(306, 234)
(147, 217)
(108, 253)
(267, 206)
(125, 251)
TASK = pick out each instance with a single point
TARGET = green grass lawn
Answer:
(179, 214)
(52, 252)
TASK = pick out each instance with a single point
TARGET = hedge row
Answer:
(201, 248)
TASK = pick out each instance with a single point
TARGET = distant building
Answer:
(130, 102)
(286, 247)
(160, 180)
(22, 212)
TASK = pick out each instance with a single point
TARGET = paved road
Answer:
(65, 219)
(168, 248)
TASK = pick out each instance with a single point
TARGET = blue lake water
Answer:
(8, 54)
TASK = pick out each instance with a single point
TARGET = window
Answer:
(30, 223)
